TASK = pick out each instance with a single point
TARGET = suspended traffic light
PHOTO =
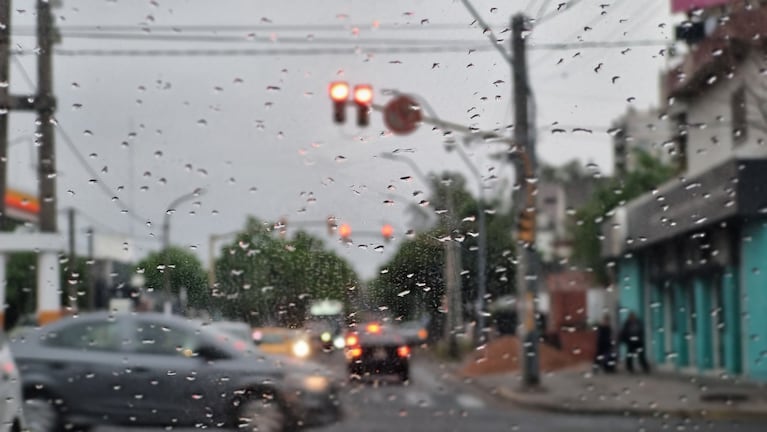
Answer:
(339, 94)
(526, 227)
(345, 231)
(387, 231)
(282, 226)
(331, 224)
(363, 97)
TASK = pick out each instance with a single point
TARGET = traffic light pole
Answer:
(526, 168)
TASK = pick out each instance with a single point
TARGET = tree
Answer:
(185, 271)
(412, 282)
(649, 174)
(266, 279)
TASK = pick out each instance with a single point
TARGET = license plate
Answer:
(380, 354)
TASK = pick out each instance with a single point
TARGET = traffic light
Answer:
(331, 224)
(345, 231)
(282, 226)
(387, 231)
(526, 227)
(363, 97)
(339, 94)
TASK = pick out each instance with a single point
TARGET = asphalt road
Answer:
(435, 401)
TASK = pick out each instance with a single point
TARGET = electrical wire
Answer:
(557, 11)
(486, 29)
(196, 52)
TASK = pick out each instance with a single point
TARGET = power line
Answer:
(27, 30)
(486, 29)
(94, 174)
(557, 11)
(261, 39)
(196, 52)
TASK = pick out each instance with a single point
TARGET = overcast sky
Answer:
(255, 130)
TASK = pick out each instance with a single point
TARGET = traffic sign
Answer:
(402, 115)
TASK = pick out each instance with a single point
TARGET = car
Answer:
(415, 332)
(237, 329)
(10, 391)
(282, 341)
(377, 350)
(151, 369)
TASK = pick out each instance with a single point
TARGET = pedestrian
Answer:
(632, 334)
(604, 358)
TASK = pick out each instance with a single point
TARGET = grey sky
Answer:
(217, 115)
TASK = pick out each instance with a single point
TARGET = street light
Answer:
(452, 259)
(482, 255)
(166, 232)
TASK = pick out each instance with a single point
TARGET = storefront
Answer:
(691, 260)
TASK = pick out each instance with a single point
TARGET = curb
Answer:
(551, 406)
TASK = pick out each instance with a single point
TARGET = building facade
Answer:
(691, 257)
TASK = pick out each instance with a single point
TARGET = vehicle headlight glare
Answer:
(339, 342)
(301, 349)
(315, 383)
(325, 337)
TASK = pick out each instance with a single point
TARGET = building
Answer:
(648, 131)
(691, 257)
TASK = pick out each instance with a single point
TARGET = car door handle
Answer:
(58, 365)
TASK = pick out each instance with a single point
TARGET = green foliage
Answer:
(266, 279)
(412, 282)
(185, 271)
(649, 174)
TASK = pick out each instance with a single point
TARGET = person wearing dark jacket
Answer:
(604, 358)
(632, 334)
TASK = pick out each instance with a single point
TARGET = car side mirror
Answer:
(211, 353)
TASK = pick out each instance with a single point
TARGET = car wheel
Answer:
(41, 414)
(262, 416)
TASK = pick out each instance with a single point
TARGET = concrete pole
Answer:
(526, 268)
(3, 283)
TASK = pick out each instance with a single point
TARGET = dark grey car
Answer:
(153, 369)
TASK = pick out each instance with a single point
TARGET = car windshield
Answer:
(459, 215)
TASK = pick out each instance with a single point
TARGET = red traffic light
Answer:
(363, 94)
(387, 231)
(339, 91)
(345, 231)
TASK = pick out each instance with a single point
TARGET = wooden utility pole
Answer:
(526, 206)
(72, 263)
(5, 58)
(45, 105)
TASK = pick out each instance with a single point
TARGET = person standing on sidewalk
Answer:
(605, 352)
(632, 334)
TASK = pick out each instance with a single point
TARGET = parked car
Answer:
(282, 341)
(377, 350)
(10, 391)
(237, 329)
(160, 370)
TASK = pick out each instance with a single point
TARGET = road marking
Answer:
(469, 401)
(419, 399)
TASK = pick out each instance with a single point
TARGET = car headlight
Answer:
(315, 383)
(325, 337)
(339, 342)
(301, 349)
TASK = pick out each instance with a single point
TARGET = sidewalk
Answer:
(578, 390)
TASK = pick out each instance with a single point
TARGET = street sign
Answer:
(402, 115)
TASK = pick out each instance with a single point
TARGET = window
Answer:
(90, 336)
(155, 338)
(739, 116)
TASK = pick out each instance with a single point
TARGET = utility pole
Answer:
(91, 272)
(452, 276)
(45, 106)
(526, 168)
(5, 57)
(71, 261)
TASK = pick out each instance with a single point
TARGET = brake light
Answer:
(403, 351)
(352, 340)
(423, 334)
(355, 352)
(373, 328)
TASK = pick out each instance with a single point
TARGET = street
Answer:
(437, 401)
